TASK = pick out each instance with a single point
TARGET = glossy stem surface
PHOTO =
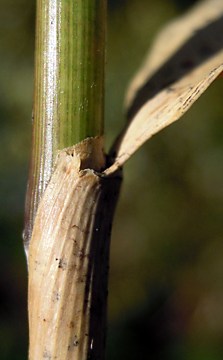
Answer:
(68, 86)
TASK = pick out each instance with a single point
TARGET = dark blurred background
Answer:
(166, 277)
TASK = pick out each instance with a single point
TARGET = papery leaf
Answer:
(185, 59)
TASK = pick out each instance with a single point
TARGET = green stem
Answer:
(68, 88)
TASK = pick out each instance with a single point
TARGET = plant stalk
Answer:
(68, 86)
(70, 202)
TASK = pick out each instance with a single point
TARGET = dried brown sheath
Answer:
(68, 261)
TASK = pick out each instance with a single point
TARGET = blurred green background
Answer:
(166, 276)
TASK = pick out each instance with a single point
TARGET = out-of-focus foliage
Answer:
(166, 271)
(16, 72)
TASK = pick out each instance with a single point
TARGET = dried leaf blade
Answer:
(173, 77)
